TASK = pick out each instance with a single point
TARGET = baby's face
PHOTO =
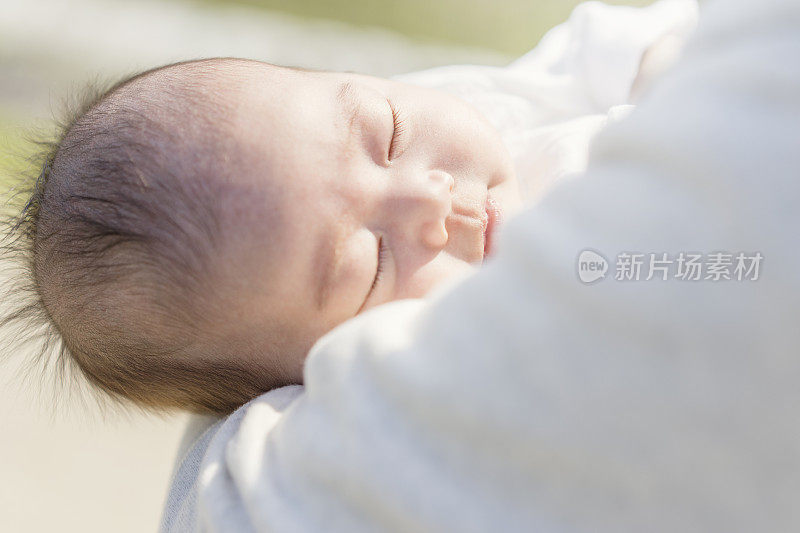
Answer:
(362, 191)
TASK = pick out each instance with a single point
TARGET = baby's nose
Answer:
(435, 203)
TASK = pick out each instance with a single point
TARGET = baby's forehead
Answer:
(220, 129)
(210, 81)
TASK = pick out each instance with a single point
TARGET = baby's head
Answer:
(199, 226)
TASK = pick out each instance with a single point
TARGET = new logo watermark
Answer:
(592, 266)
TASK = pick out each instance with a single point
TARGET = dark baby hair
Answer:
(114, 237)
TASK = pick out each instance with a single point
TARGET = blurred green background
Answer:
(87, 471)
(49, 47)
(508, 26)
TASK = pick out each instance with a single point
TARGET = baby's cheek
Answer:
(479, 147)
(442, 271)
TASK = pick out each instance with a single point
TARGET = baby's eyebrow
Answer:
(328, 254)
(327, 258)
(349, 103)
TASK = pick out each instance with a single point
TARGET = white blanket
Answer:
(521, 399)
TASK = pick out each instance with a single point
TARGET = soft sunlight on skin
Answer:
(364, 191)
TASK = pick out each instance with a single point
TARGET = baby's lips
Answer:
(495, 219)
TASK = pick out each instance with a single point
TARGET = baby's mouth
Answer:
(494, 219)
(472, 230)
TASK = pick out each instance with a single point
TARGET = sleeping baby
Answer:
(198, 227)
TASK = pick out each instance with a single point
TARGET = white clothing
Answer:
(523, 400)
